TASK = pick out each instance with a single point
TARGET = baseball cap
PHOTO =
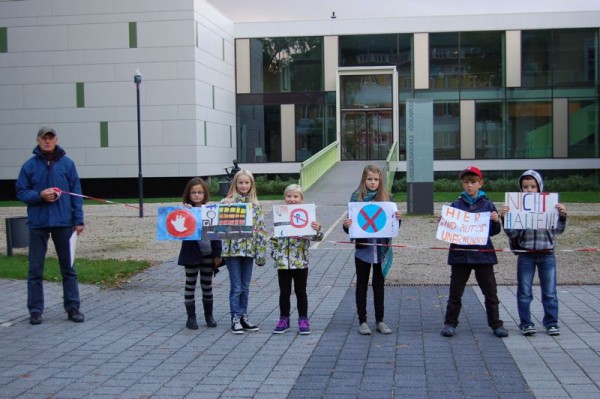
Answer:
(471, 170)
(46, 130)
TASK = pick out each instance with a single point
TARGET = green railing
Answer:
(389, 174)
(314, 167)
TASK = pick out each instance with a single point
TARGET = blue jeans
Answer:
(546, 264)
(38, 246)
(240, 274)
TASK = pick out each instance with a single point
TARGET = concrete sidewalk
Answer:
(134, 344)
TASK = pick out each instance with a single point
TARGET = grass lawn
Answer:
(105, 272)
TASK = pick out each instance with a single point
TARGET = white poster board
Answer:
(373, 219)
(531, 211)
(463, 228)
(293, 220)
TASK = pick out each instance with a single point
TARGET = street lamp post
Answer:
(137, 78)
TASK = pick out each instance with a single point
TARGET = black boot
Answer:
(191, 323)
(208, 313)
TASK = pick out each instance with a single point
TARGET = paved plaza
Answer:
(134, 343)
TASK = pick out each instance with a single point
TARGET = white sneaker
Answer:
(383, 328)
(364, 329)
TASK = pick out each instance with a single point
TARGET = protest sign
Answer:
(178, 223)
(463, 228)
(373, 219)
(530, 211)
(293, 220)
(224, 221)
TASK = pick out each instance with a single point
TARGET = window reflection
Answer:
(446, 130)
(529, 129)
(287, 64)
(583, 129)
(489, 130)
(465, 60)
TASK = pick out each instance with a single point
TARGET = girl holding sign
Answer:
(198, 257)
(371, 252)
(291, 261)
(243, 252)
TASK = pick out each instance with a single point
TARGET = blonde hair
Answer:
(382, 192)
(233, 193)
(294, 187)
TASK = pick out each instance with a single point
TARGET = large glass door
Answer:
(366, 112)
(366, 134)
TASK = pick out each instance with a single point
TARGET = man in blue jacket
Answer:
(40, 183)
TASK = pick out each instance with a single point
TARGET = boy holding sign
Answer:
(535, 244)
(474, 256)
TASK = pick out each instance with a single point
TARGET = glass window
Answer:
(529, 132)
(286, 64)
(366, 91)
(583, 129)
(311, 130)
(465, 60)
(444, 65)
(376, 50)
(481, 59)
(259, 133)
(446, 130)
(489, 130)
(574, 57)
(535, 58)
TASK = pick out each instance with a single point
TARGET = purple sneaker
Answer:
(303, 326)
(282, 326)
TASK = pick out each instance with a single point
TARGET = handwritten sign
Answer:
(373, 219)
(179, 223)
(531, 211)
(293, 220)
(463, 228)
(225, 221)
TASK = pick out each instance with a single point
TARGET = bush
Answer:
(264, 185)
(555, 185)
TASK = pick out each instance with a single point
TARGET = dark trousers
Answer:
(300, 277)
(484, 274)
(363, 270)
(38, 246)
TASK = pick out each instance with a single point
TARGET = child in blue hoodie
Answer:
(464, 258)
(536, 248)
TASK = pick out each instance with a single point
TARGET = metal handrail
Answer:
(389, 174)
(316, 166)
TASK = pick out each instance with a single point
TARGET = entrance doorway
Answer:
(366, 134)
(367, 112)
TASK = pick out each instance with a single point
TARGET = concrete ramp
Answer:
(335, 187)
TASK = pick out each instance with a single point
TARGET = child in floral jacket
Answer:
(291, 261)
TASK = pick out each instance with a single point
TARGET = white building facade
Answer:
(271, 83)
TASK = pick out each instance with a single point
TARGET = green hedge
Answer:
(274, 186)
(264, 185)
(556, 185)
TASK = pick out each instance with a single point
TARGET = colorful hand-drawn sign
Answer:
(463, 228)
(179, 223)
(373, 219)
(531, 211)
(224, 221)
(293, 220)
